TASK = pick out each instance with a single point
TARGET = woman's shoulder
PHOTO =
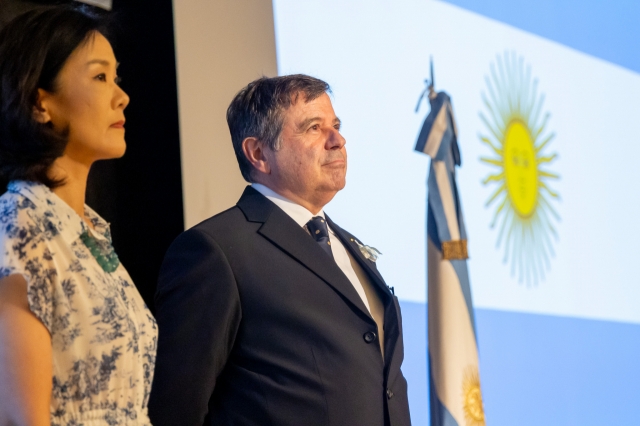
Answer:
(15, 209)
(24, 216)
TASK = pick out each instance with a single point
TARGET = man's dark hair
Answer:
(258, 111)
(33, 49)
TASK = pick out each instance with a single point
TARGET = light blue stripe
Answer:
(432, 228)
(460, 266)
(609, 30)
(549, 370)
(456, 197)
(462, 271)
(435, 203)
(440, 416)
(436, 105)
(539, 369)
(444, 151)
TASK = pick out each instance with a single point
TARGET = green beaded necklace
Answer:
(105, 256)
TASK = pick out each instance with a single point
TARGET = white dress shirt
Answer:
(301, 216)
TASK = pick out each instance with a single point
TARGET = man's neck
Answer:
(314, 207)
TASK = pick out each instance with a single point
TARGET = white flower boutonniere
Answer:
(369, 253)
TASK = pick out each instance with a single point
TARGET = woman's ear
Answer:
(40, 111)
(254, 150)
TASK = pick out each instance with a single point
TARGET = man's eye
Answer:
(315, 127)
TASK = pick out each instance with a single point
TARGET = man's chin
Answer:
(335, 186)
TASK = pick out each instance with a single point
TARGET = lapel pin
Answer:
(369, 253)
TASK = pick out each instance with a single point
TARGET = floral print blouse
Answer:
(103, 336)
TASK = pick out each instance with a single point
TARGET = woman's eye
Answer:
(101, 77)
(117, 80)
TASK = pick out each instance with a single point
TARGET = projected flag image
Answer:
(519, 138)
(544, 120)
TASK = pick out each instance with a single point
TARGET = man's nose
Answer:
(335, 140)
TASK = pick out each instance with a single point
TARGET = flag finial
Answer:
(430, 89)
(433, 81)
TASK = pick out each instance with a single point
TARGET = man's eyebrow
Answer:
(308, 121)
(305, 123)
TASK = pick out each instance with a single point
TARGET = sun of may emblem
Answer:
(472, 398)
(517, 135)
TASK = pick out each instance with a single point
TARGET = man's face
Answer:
(312, 160)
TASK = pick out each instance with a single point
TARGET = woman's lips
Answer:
(118, 125)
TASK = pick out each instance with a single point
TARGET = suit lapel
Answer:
(351, 244)
(289, 237)
(391, 316)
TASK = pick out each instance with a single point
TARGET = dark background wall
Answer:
(140, 194)
(148, 188)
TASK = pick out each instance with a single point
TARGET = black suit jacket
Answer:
(258, 326)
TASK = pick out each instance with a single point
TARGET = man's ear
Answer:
(254, 150)
(40, 110)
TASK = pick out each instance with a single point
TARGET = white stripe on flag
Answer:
(452, 343)
(435, 135)
(446, 195)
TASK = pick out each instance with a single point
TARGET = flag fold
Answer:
(454, 381)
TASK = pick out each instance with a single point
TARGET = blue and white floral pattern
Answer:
(103, 336)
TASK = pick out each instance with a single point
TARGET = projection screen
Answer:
(553, 270)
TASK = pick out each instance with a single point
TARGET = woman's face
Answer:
(88, 102)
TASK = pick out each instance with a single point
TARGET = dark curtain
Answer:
(140, 194)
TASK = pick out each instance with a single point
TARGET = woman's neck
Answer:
(74, 188)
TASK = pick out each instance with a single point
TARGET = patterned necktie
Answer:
(318, 229)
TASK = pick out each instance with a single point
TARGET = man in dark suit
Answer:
(267, 316)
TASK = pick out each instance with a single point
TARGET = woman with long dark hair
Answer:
(77, 343)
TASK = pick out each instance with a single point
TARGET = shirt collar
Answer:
(68, 223)
(298, 213)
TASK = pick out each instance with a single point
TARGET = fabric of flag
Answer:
(454, 381)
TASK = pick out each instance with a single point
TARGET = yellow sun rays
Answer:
(472, 405)
(517, 135)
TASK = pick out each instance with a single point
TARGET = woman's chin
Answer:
(121, 151)
(115, 151)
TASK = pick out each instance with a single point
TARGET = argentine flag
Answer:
(454, 383)
(546, 107)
